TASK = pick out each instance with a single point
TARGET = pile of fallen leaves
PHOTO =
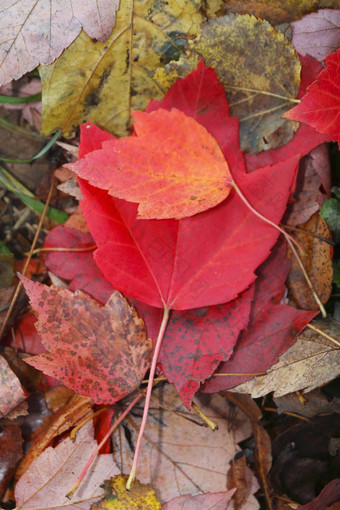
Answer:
(198, 271)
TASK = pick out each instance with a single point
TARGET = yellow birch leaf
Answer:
(139, 497)
(104, 82)
(259, 69)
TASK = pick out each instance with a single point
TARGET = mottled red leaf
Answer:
(208, 258)
(173, 167)
(11, 392)
(320, 107)
(100, 352)
(271, 330)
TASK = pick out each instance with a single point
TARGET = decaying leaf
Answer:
(11, 392)
(260, 71)
(321, 105)
(193, 462)
(100, 352)
(118, 498)
(6, 270)
(236, 477)
(317, 260)
(317, 34)
(311, 362)
(35, 33)
(305, 138)
(183, 175)
(276, 11)
(103, 82)
(56, 469)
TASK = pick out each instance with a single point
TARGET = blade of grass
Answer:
(27, 197)
(40, 153)
(20, 100)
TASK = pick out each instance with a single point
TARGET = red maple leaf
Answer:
(101, 352)
(320, 107)
(208, 258)
(181, 176)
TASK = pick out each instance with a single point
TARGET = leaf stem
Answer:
(265, 93)
(148, 395)
(263, 218)
(75, 486)
(290, 240)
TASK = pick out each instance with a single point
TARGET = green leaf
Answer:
(20, 100)
(330, 211)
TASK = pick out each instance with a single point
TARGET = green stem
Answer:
(20, 100)
(40, 153)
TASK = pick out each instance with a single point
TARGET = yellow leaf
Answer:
(259, 69)
(104, 82)
(140, 497)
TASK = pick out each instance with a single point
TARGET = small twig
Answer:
(211, 424)
(49, 249)
(308, 233)
(336, 342)
(295, 415)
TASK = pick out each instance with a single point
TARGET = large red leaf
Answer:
(101, 352)
(203, 260)
(173, 167)
(195, 341)
(320, 107)
(271, 330)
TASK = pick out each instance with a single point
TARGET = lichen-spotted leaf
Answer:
(101, 352)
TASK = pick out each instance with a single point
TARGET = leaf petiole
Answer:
(290, 240)
(157, 349)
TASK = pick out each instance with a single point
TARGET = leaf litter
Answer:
(234, 323)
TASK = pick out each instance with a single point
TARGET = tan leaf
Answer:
(317, 260)
(311, 362)
(35, 32)
(104, 82)
(191, 461)
(49, 477)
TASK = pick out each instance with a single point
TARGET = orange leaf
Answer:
(173, 168)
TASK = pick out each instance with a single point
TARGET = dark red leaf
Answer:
(272, 327)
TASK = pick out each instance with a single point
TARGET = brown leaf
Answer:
(236, 477)
(70, 415)
(10, 453)
(11, 393)
(276, 11)
(318, 264)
